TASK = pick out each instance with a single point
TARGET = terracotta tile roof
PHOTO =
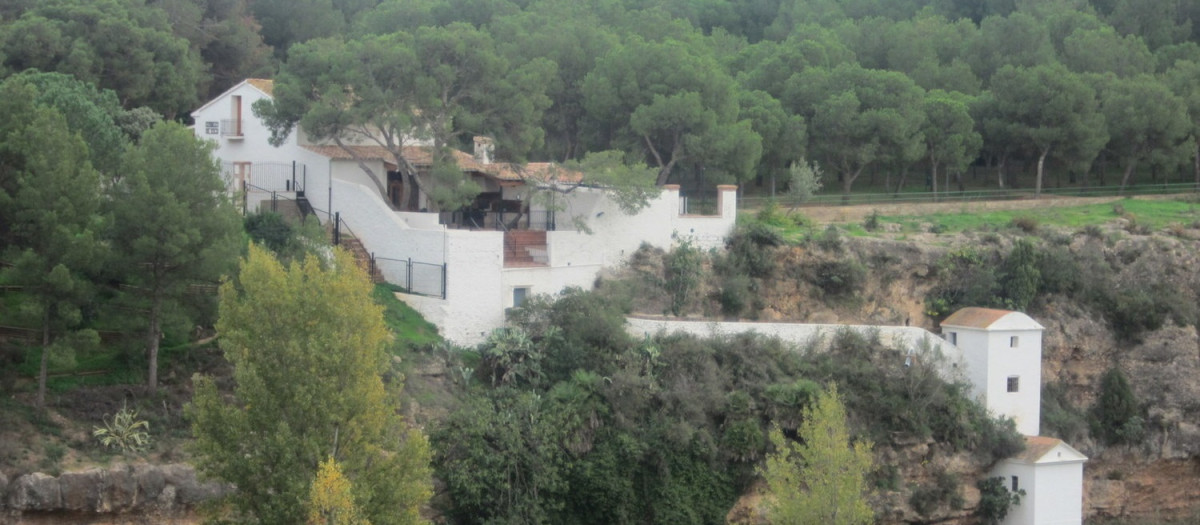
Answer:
(266, 85)
(1036, 447)
(975, 317)
(422, 156)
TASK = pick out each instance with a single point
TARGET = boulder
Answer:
(35, 491)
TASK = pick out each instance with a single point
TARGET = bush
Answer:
(872, 221)
(995, 500)
(830, 240)
(1025, 224)
(737, 295)
(1059, 417)
(1116, 416)
(682, 268)
(927, 499)
(124, 432)
(839, 278)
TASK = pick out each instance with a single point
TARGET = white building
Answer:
(1051, 474)
(1003, 353)
(462, 270)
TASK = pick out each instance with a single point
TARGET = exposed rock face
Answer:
(142, 489)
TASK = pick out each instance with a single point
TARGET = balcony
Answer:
(232, 129)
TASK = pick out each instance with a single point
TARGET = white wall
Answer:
(254, 146)
(1053, 492)
(1059, 498)
(1024, 513)
(991, 361)
(950, 359)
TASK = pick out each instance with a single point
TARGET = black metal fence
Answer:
(305, 208)
(413, 277)
(498, 220)
(836, 199)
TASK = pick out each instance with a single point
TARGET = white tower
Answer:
(1003, 353)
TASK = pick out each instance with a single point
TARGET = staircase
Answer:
(362, 257)
(525, 248)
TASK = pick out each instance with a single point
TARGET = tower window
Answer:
(519, 296)
(1013, 341)
(1015, 486)
(953, 337)
(1014, 383)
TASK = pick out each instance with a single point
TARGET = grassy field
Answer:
(1147, 214)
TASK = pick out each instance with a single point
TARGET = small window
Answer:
(1014, 383)
(1013, 341)
(1015, 486)
(519, 296)
(953, 336)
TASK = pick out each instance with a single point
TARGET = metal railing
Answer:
(837, 199)
(418, 278)
(302, 203)
(498, 220)
(699, 203)
(231, 127)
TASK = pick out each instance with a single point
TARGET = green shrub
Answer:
(1117, 417)
(871, 223)
(737, 295)
(830, 240)
(995, 500)
(1060, 418)
(682, 268)
(1025, 224)
(1020, 278)
(945, 491)
(124, 431)
(839, 278)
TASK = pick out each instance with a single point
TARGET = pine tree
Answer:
(821, 480)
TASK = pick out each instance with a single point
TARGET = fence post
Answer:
(444, 268)
(274, 202)
(293, 174)
(408, 276)
(371, 266)
(337, 224)
(245, 199)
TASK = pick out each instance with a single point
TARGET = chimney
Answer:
(483, 150)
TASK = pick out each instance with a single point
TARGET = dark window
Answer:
(519, 296)
(953, 338)
(1013, 341)
(1015, 487)
(1014, 383)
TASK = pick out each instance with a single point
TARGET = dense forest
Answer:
(1100, 92)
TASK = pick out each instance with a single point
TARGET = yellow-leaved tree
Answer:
(330, 501)
(307, 345)
(823, 479)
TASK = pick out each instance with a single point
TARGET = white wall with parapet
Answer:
(908, 339)
(475, 292)
(388, 233)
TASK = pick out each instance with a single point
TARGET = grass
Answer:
(412, 330)
(1153, 214)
